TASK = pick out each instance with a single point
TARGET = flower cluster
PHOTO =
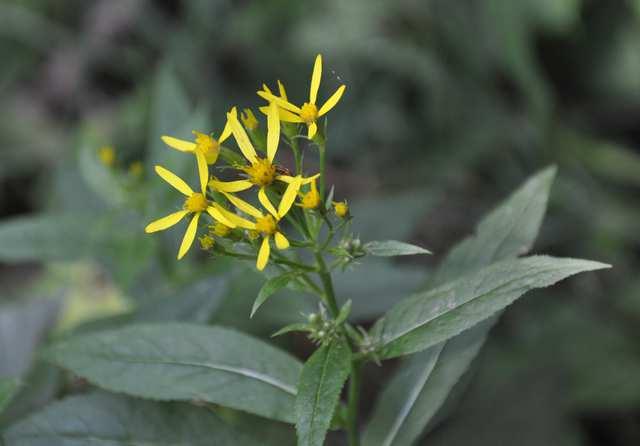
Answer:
(256, 172)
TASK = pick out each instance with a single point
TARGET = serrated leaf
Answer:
(270, 287)
(174, 361)
(111, 420)
(419, 388)
(319, 389)
(391, 248)
(428, 318)
(8, 388)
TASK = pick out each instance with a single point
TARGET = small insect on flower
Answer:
(203, 144)
(308, 112)
(107, 155)
(261, 172)
(266, 224)
(341, 208)
(196, 203)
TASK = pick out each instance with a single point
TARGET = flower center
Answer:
(196, 203)
(266, 225)
(311, 199)
(261, 173)
(308, 113)
(341, 208)
(208, 146)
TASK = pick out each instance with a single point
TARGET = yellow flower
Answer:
(309, 111)
(249, 119)
(220, 229)
(261, 172)
(107, 155)
(136, 169)
(207, 242)
(203, 144)
(196, 203)
(311, 199)
(266, 224)
(341, 208)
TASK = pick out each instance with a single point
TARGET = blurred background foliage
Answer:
(449, 106)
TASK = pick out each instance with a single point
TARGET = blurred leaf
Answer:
(103, 180)
(106, 419)
(8, 388)
(22, 327)
(420, 386)
(270, 287)
(174, 361)
(321, 381)
(428, 318)
(391, 248)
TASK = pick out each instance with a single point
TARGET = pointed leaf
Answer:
(174, 361)
(391, 248)
(270, 287)
(112, 420)
(428, 318)
(419, 388)
(320, 385)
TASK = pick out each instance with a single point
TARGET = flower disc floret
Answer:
(261, 173)
(208, 146)
(308, 113)
(197, 202)
(266, 225)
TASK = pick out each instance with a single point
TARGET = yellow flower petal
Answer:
(285, 115)
(289, 197)
(203, 171)
(230, 186)
(165, 222)
(315, 79)
(236, 219)
(243, 205)
(332, 101)
(264, 201)
(281, 102)
(215, 212)
(281, 241)
(226, 132)
(242, 139)
(263, 254)
(273, 131)
(189, 236)
(288, 179)
(283, 92)
(174, 180)
(313, 129)
(179, 144)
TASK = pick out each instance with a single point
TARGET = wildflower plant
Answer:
(250, 206)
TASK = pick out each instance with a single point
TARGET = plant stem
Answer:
(352, 407)
(325, 278)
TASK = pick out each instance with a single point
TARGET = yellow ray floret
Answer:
(266, 223)
(195, 203)
(204, 144)
(308, 112)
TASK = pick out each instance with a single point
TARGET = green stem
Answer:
(323, 165)
(352, 407)
(327, 284)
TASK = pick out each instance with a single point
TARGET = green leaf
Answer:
(390, 248)
(102, 180)
(175, 361)
(508, 231)
(298, 326)
(8, 388)
(46, 237)
(112, 420)
(428, 318)
(270, 287)
(420, 387)
(319, 389)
